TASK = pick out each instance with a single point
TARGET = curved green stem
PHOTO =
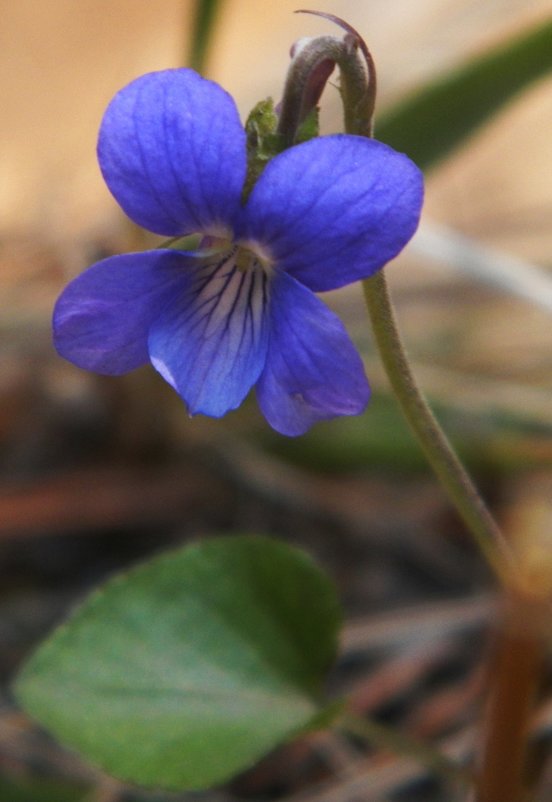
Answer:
(444, 461)
(358, 95)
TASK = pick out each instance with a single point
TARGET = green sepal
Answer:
(262, 141)
(309, 128)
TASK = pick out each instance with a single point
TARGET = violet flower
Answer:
(240, 311)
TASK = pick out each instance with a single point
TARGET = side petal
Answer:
(313, 371)
(172, 151)
(102, 318)
(335, 209)
(210, 343)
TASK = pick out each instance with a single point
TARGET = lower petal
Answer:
(313, 371)
(102, 318)
(210, 343)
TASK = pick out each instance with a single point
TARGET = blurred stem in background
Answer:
(204, 20)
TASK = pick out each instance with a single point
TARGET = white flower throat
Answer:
(231, 289)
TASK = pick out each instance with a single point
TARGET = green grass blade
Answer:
(205, 16)
(434, 120)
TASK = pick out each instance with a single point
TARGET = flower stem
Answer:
(358, 88)
(442, 458)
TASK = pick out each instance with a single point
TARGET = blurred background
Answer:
(98, 472)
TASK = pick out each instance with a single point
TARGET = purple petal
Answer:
(102, 318)
(210, 343)
(313, 371)
(172, 152)
(334, 210)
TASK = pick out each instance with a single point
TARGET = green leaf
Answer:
(191, 667)
(433, 121)
(34, 790)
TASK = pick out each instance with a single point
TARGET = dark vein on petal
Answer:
(176, 178)
(194, 293)
(143, 160)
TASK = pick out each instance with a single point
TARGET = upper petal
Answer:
(210, 342)
(172, 151)
(335, 209)
(313, 371)
(102, 318)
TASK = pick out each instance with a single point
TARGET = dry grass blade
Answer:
(463, 255)
(375, 780)
(423, 622)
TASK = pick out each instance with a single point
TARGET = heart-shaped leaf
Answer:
(189, 668)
